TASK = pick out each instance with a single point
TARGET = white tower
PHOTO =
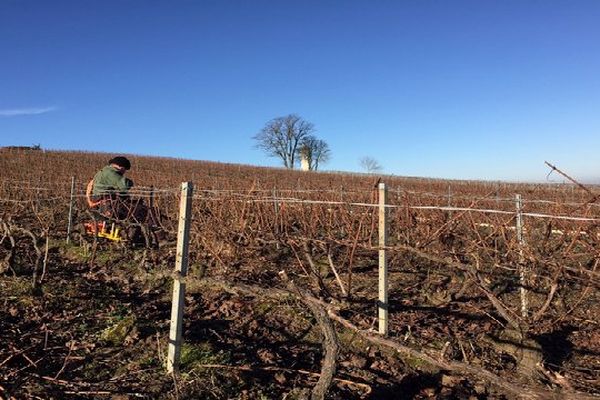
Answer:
(304, 162)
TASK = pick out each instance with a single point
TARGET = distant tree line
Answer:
(35, 147)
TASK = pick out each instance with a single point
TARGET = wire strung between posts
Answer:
(151, 193)
(439, 208)
(559, 203)
(144, 189)
(303, 201)
(31, 200)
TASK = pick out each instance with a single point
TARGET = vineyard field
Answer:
(490, 297)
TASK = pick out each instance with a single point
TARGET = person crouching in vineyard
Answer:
(108, 192)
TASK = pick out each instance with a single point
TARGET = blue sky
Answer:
(449, 89)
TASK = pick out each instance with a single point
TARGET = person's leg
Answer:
(122, 208)
(140, 211)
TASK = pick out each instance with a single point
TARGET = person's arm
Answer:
(128, 183)
(121, 183)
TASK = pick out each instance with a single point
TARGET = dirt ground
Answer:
(100, 331)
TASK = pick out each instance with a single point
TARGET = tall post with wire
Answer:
(70, 210)
(521, 241)
(382, 304)
(181, 266)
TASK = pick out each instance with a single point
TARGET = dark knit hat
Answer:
(121, 162)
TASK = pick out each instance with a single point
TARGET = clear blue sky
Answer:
(450, 89)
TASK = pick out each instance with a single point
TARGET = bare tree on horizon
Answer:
(282, 137)
(370, 165)
(315, 151)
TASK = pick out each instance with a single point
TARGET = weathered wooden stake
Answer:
(522, 277)
(276, 219)
(152, 217)
(181, 266)
(151, 197)
(449, 201)
(70, 209)
(383, 268)
(276, 207)
(497, 195)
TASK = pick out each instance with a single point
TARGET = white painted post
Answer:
(522, 277)
(181, 265)
(70, 210)
(383, 267)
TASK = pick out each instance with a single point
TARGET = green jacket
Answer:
(109, 181)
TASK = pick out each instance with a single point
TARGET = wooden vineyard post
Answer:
(151, 214)
(151, 197)
(276, 218)
(382, 304)
(181, 266)
(276, 208)
(497, 195)
(70, 210)
(449, 201)
(522, 277)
